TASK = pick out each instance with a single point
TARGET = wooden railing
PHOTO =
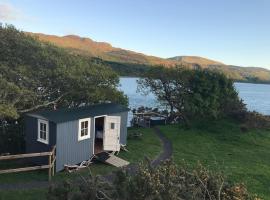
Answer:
(51, 162)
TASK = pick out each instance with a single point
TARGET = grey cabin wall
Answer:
(31, 135)
(69, 149)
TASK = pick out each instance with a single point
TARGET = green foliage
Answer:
(23, 194)
(90, 187)
(37, 75)
(11, 136)
(168, 181)
(211, 94)
(126, 69)
(254, 120)
(9, 94)
(192, 93)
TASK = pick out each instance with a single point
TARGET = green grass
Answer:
(220, 145)
(148, 145)
(23, 194)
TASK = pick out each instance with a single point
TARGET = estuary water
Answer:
(255, 96)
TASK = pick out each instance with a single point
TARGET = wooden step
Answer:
(116, 161)
(111, 159)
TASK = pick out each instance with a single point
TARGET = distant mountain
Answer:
(132, 63)
(195, 60)
(101, 50)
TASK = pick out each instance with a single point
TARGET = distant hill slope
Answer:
(131, 63)
(101, 50)
(195, 60)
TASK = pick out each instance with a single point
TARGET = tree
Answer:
(158, 81)
(191, 93)
(36, 75)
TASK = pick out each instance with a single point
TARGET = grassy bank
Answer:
(220, 145)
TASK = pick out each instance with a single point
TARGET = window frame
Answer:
(80, 138)
(39, 139)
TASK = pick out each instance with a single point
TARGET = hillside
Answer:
(130, 63)
(195, 60)
(102, 50)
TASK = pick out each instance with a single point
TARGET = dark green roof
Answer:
(69, 114)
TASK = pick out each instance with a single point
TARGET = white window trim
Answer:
(47, 131)
(80, 138)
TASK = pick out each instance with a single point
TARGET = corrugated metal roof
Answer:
(70, 114)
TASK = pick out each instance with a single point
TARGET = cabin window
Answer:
(112, 126)
(43, 131)
(84, 129)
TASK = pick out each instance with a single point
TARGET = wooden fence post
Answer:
(53, 168)
(50, 168)
(53, 162)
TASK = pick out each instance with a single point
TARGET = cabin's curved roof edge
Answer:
(70, 114)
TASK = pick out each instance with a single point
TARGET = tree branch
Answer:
(42, 105)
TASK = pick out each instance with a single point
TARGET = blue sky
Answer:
(231, 31)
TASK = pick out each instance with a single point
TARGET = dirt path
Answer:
(167, 148)
(165, 154)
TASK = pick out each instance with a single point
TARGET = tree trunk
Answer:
(186, 121)
(3, 131)
(171, 114)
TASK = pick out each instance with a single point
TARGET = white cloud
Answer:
(9, 12)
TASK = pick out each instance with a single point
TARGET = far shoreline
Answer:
(235, 81)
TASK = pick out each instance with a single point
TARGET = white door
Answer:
(111, 138)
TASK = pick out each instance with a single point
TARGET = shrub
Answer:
(244, 128)
(87, 188)
(172, 182)
(254, 120)
(12, 136)
(168, 181)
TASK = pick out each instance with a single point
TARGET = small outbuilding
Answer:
(78, 133)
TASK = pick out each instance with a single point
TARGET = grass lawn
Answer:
(23, 194)
(243, 157)
(148, 145)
